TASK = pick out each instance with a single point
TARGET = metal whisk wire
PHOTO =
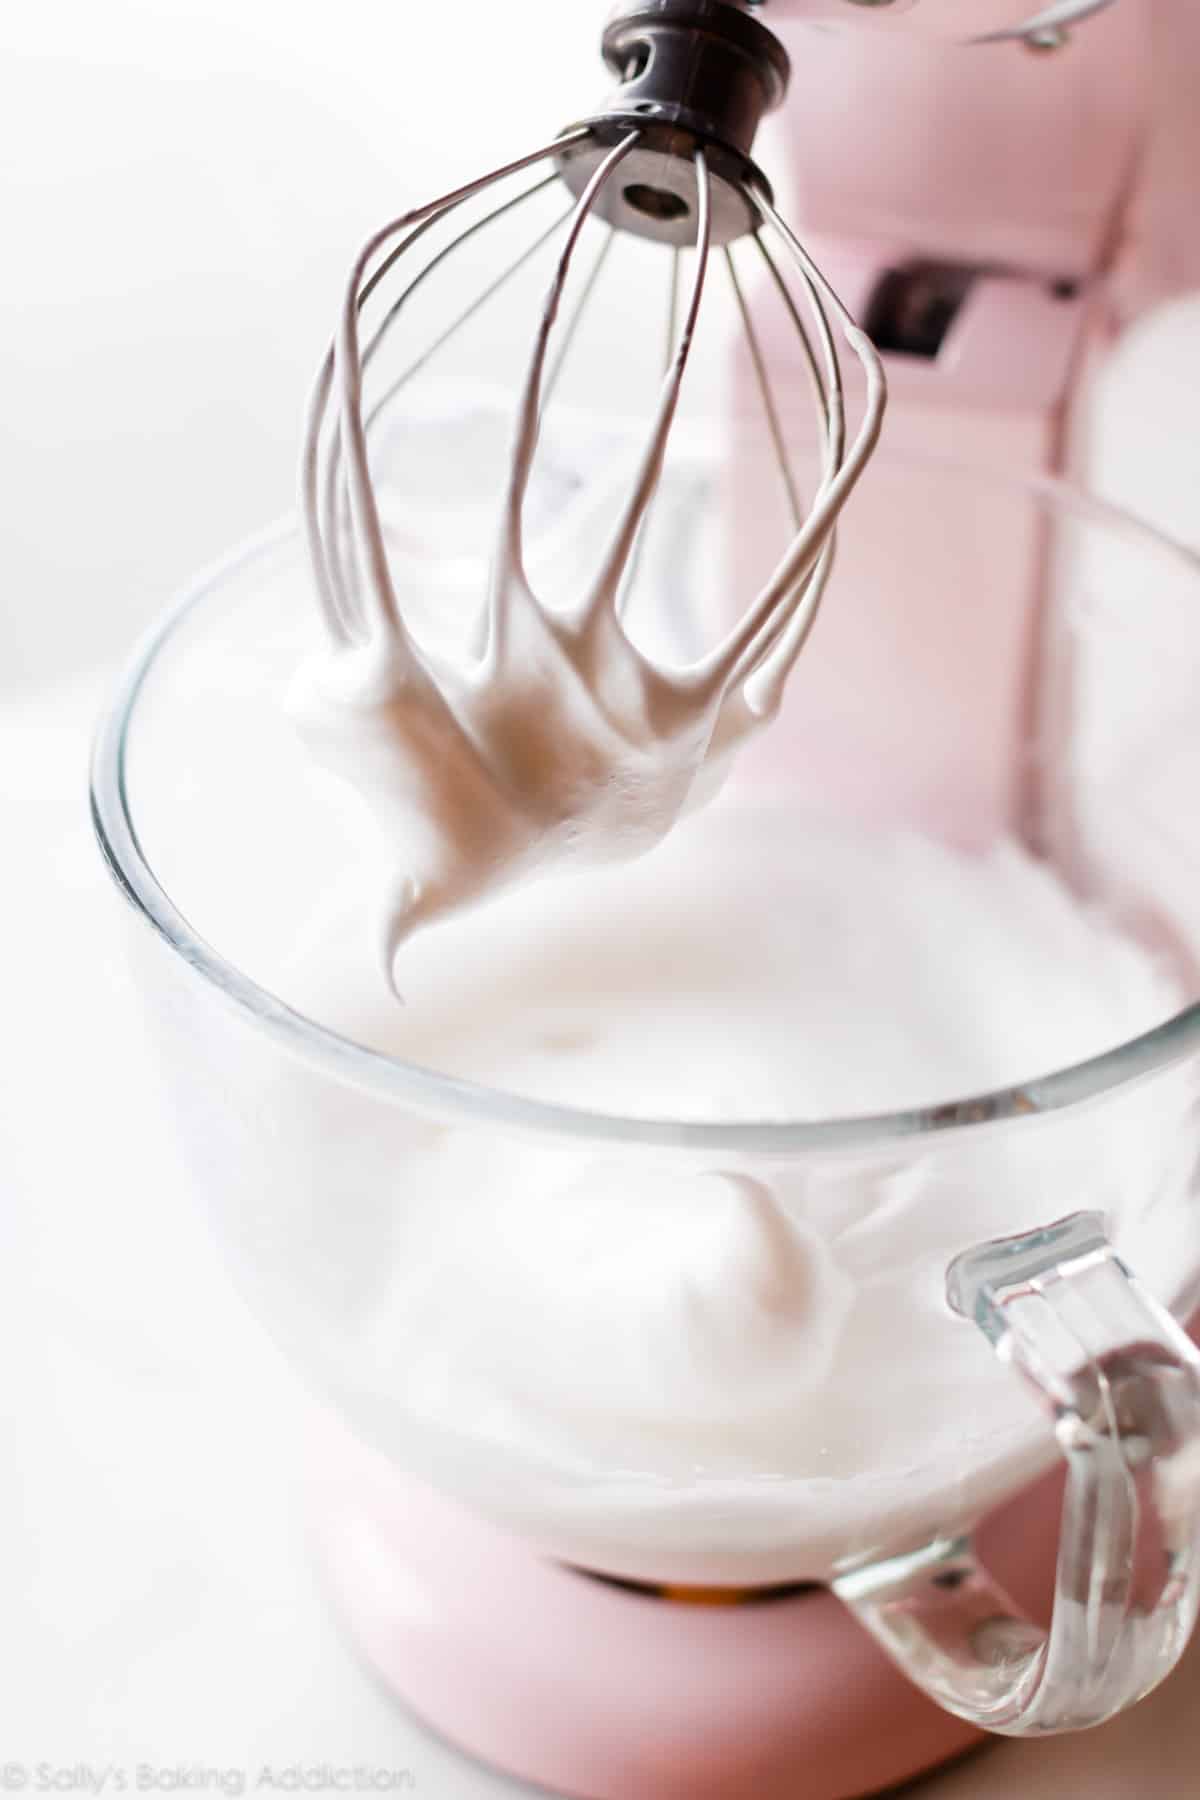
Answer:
(343, 358)
(340, 508)
(344, 573)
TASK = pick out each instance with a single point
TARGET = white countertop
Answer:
(158, 1605)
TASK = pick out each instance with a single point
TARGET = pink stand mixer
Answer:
(968, 201)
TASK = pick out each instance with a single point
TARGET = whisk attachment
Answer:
(561, 738)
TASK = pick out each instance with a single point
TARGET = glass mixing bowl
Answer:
(567, 1317)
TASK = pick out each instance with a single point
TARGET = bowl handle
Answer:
(1121, 1382)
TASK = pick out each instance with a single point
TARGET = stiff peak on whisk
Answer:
(559, 739)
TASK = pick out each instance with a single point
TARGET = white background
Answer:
(182, 185)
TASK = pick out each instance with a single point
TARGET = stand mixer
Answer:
(964, 200)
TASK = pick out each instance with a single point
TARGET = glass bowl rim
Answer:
(431, 1092)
